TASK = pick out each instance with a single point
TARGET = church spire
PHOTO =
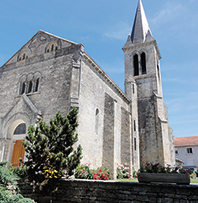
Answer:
(141, 31)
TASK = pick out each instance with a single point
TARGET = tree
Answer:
(50, 152)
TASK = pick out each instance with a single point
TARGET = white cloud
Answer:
(171, 12)
(118, 31)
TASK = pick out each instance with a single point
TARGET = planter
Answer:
(183, 179)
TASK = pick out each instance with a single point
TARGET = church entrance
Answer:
(13, 148)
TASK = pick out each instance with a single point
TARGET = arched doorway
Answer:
(12, 148)
(18, 148)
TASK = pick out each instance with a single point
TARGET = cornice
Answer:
(141, 45)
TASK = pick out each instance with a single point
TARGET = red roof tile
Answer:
(185, 141)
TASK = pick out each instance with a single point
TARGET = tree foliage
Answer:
(50, 151)
(7, 181)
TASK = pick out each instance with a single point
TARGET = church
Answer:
(50, 74)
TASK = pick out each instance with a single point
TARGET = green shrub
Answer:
(20, 171)
(193, 175)
(122, 171)
(135, 174)
(83, 172)
(6, 180)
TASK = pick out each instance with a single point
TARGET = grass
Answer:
(194, 180)
(128, 180)
(136, 180)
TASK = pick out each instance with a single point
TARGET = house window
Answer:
(143, 63)
(135, 64)
(189, 150)
(176, 152)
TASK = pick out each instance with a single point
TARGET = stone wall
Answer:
(115, 191)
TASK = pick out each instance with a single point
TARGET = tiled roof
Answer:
(185, 141)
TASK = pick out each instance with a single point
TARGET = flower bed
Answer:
(164, 177)
(156, 173)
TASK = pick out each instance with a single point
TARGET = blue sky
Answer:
(102, 26)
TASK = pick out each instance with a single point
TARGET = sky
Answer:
(103, 26)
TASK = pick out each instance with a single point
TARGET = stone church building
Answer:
(50, 74)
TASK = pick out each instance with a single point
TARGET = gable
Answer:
(41, 43)
(22, 106)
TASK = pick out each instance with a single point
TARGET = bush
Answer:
(135, 174)
(122, 171)
(83, 172)
(193, 175)
(20, 171)
(6, 181)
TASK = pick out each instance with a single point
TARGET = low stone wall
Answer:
(115, 191)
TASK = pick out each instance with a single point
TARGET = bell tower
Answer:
(144, 87)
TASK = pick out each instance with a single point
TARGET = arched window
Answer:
(135, 64)
(36, 85)
(52, 48)
(96, 121)
(30, 86)
(23, 87)
(20, 129)
(143, 63)
(23, 55)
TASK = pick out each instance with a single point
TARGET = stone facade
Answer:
(50, 74)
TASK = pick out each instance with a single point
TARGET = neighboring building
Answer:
(50, 74)
(186, 151)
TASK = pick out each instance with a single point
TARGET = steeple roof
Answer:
(141, 31)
